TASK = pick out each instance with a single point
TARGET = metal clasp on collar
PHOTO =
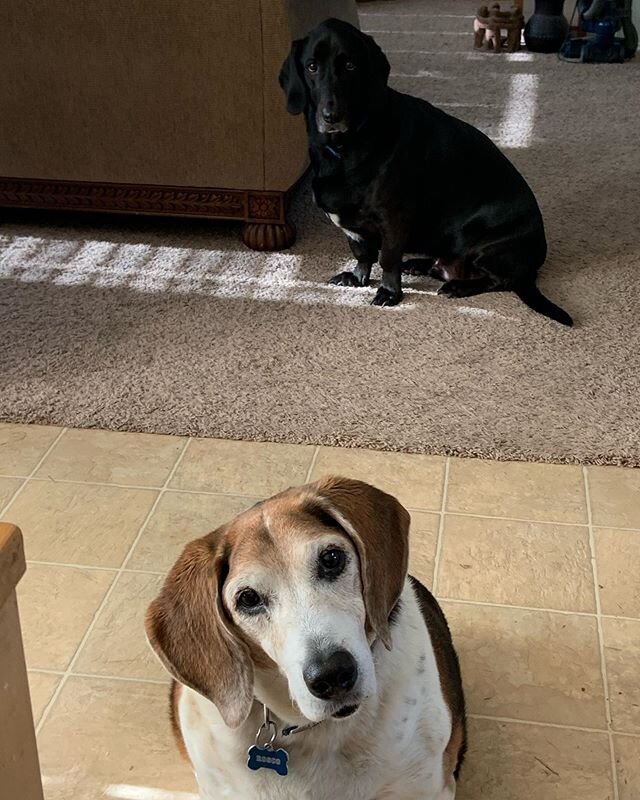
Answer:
(267, 725)
(263, 756)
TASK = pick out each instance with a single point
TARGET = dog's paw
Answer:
(452, 289)
(346, 279)
(385, 297)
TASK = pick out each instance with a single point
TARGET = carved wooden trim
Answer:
(266, 207)
(130, 198)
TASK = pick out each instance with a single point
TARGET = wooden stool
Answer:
(489, 25)
(19, 765)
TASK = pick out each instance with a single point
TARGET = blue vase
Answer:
(547, 29)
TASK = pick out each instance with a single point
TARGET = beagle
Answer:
(307, 664)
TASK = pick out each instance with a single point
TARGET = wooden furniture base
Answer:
(267, 236)
(19, 764)
(264, 213)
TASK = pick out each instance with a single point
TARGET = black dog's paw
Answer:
(385, 297)
(346, 279)
(453, 289)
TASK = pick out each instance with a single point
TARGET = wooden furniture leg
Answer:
(268, 236)
(267, 226)
(19, 764)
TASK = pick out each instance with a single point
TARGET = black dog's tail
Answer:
(534, 298)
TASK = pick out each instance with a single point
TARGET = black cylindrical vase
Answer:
(547, 29)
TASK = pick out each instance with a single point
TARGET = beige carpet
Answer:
(176, 328)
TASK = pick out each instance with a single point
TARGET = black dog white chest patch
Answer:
(351, 234)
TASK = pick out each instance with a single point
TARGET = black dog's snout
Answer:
(330, 115)
(333, 676)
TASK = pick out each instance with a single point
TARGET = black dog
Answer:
(401, 176)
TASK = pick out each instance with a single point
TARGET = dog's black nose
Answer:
(330, 115)
(331, 677)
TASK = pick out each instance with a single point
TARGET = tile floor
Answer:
(537, 567)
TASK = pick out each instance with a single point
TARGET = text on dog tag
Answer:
(268, 758)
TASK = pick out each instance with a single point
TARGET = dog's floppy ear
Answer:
(380, 67)
(379, 528)
(292, 80)
(187, 627)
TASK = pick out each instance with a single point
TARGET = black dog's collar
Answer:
(332, 151)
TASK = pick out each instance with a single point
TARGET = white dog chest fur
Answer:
(351, 234)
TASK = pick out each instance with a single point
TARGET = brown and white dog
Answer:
(303, 605)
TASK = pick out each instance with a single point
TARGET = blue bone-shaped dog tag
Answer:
(268, 758)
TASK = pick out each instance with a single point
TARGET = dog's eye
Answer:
(249, 600)
(332, 563)
(312, 66)
(350, 66)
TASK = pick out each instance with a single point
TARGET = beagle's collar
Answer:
(269, 725)
(291, 729)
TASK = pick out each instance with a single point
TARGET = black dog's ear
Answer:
(379, 63)
(292, 80)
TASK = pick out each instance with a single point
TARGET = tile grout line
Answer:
(95, 567)
(20, 489)
(125, 678)
(442, 598)
(603, 663)
(312, 466)
(162, 491)
(44, 671)
(69, 670)
(121, 678)
(109, 484)
(443, 505)
(557, 725)
(529, 521)
(254, 496)
(137, 487)
(486, 604)
(490, 717)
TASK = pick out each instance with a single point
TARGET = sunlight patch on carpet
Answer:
(161, 269)
(518, 121)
